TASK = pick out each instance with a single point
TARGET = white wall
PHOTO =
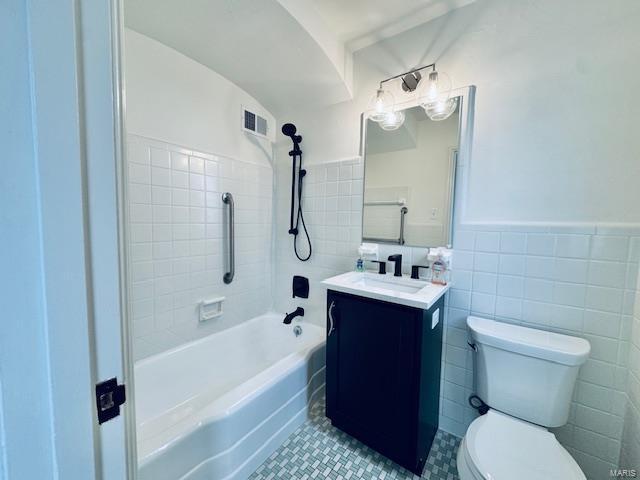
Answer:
(545, 117)
(177, 100)
(548, 172)
(185, 149)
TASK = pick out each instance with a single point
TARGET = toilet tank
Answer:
(526, 373)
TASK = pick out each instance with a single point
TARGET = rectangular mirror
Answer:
(409, 179)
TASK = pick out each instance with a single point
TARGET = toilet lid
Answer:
(500, 447)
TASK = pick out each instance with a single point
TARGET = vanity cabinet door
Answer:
(371, 372)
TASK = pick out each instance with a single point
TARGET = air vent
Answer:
(249, 121)
(254, 123)
(261, 126)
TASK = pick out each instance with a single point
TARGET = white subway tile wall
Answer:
(630, 453)
(574, 280)
(177, 242)
(578, 284)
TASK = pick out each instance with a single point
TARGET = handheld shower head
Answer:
(289, 129)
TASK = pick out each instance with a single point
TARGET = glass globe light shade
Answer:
(435, 88)
(392, 121)
(380, 105)
(439, 111)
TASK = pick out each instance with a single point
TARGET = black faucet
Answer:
(397, 264)
(382, 266)
(299, 312)
(415, 271)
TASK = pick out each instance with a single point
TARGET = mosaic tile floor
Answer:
(319, 451)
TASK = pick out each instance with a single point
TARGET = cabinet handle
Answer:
(333, 304)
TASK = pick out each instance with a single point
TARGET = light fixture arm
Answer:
(431, 65)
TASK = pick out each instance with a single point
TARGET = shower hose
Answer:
(300, 216)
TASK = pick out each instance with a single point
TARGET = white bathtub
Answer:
(216, 408)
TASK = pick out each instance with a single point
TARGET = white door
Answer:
(76, 110)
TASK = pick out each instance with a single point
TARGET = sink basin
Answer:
(392, 284)
(401, 290)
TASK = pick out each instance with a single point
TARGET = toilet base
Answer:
(464, 472)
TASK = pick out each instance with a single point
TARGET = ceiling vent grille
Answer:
(254, 123)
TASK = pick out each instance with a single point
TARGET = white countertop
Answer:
(401, 290)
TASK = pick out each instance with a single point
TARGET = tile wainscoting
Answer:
(176, 241)
(579, 280)
(630, 453)
(580, 283)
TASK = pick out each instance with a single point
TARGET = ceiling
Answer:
(285, 53)
(360, 23)
(257, 44)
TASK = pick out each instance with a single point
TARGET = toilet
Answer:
(526, 377)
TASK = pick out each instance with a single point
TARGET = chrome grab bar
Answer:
(333, 304)
(403, 212)
(227, 198)
(383, 203)
(393, 241)
(400, 240)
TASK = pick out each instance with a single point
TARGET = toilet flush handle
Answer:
(473, 346)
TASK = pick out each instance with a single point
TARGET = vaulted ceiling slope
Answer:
(284, 53)
(360, 23)
(257, 44)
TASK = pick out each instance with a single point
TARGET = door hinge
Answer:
(109, 397)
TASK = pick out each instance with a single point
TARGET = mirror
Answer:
(409, 180)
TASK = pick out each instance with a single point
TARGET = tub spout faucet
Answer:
(397, 264)
(299, 312)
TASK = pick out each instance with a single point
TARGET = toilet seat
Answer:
(499, 447)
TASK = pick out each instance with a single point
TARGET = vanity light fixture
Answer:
(392, 120)
(437, 88)
(441, 110)
(381, 104)
(436, 96)
(433, 91)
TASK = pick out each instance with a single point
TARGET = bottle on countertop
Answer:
(367, 251)
(438, 272)
(440, 261)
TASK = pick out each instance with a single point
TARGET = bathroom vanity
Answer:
(384, 344)
(384, 330)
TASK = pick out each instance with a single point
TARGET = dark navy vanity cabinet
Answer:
(383, 374)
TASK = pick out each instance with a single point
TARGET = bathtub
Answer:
(218, 407)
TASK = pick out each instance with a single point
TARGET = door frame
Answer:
(126, 326)
(117, 439)
(100, 37)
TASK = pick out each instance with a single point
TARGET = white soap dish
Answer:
(211, 308)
